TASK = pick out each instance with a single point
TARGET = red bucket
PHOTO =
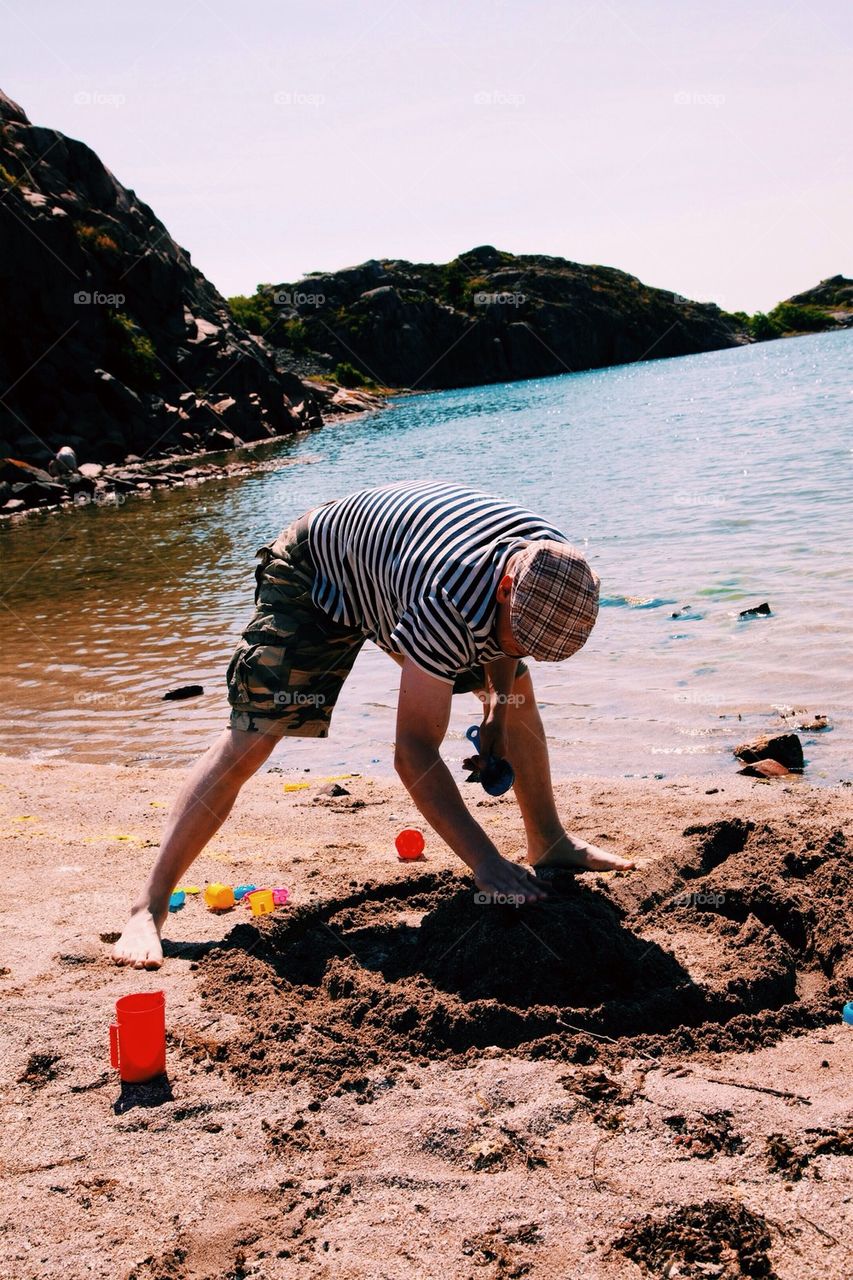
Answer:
(138, 1037)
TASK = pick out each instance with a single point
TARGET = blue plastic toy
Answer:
(177, 900)
(241, 890)
(496, 776)
(847, 1012)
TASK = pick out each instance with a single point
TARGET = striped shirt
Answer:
(416, 568)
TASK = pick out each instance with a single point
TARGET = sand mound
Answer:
(745, 940)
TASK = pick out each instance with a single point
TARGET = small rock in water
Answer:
(758, 610)
(811, 726)
(784, 748)
(185, 691)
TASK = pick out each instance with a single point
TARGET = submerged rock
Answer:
(185, 691)
(766, 769)
(757, 611)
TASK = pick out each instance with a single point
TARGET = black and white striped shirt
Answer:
(416, 567)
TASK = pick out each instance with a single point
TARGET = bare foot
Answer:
(139, 945)
(570, 851)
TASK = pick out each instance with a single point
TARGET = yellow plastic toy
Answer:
(219, 897)
(261, 902)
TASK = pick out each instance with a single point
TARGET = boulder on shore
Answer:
(785, 748)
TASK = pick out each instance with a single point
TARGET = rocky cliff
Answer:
(114, 343)
(834, 296)
(487, 316)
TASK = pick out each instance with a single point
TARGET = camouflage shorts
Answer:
(292, 659)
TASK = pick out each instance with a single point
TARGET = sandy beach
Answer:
(646, 1075)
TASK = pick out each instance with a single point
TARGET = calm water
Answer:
(715, 481)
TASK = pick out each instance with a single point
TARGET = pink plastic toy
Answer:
(280, 896)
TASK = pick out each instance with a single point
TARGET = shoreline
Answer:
(111, 484)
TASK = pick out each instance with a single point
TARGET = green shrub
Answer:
(346, 375)
(792, 317)
(762, 327)
(295, 334)
(453, 280)
(257, 314)
(132, 356)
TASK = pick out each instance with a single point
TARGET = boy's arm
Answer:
(500, 679)
(423, 714)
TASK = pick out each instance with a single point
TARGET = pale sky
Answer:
(703, 147)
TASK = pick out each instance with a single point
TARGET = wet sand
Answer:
(648, 1075)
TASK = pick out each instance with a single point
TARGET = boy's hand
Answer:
(504, 879)
(493, 738)
(493, 741)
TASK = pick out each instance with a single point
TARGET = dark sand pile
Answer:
(747, 939)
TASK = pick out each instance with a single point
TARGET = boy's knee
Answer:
(246, 752)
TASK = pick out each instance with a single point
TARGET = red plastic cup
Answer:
(409, 844)
(138, 1037)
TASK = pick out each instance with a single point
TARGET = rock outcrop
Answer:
(489, 316)
(833, 295)
(114, 343)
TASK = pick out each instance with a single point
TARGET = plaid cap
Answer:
(553, 604)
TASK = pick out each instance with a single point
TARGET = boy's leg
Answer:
(202, 805)
(548, 844)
